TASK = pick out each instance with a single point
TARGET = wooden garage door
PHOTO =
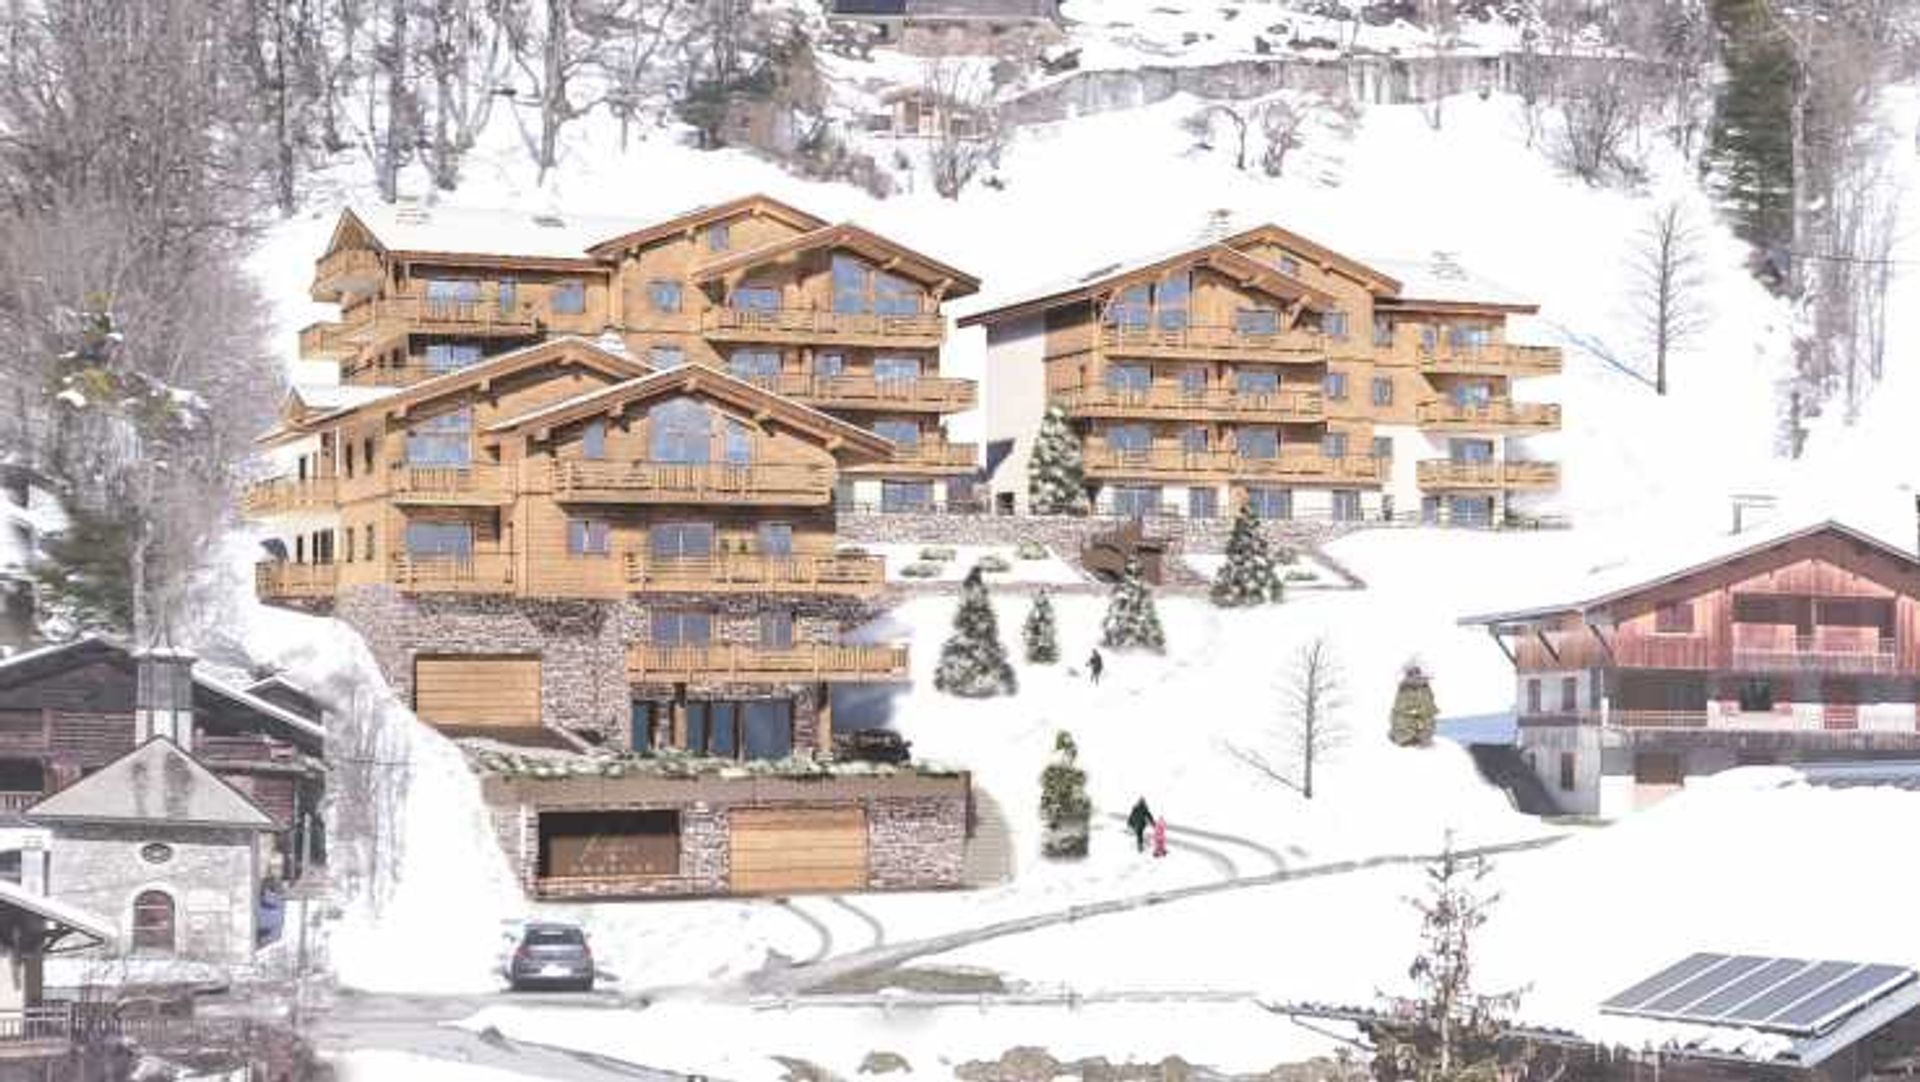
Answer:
(779, 850)
(478, 692)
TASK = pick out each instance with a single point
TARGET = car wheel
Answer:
(586, 985)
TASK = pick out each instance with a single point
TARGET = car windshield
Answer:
(554, 937)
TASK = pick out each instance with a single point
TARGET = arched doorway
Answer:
(153, 921)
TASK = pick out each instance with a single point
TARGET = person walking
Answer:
(1138, 820)
(1095, 664)
(1159, 837)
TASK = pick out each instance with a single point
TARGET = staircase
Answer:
(1502, 765)
(989, 859)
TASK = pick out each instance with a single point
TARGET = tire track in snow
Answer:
(819, 927)
(864, 917)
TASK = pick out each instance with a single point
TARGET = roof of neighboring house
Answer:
(415, 231)
(697, 377)
(925, 269)
(71, 919)
(1612, 583)
(156, 782)
(614, 241)
(1212, 253)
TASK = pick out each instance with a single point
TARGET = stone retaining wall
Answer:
(1065, 534)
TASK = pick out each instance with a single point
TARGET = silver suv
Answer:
(551, 955)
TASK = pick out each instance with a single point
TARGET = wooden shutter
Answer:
(477, 692)
(779, 850)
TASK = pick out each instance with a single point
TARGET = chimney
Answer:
(163, 696)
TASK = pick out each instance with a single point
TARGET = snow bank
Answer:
(1050, 569)
(377, 1066)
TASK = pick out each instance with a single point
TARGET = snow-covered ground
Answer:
(951, 563)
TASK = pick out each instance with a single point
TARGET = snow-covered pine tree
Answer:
(1414, 710)
(1064, 806)
(1248, 577)
(1056, 478)
(1039, 634)
(973, 664)
(1132, 621)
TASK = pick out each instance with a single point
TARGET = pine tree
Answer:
(1039, 634)
(1131, 619)
(1414, 710)
(1248, 577)
(1056, 479)
(1064, 806)
(972, 662)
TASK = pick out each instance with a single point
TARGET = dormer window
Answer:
(719, 237)
(1163, 303)
(1288, 265)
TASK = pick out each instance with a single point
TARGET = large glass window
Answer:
(1469, 336)
(1334, 445)
(776, 538)
(1256, 383)
(1336, 386)
(446, 440)
(1256, 321)
(451, 356)
(829, 365)
(1470, 510)
(904, 433)
(1135, 501)
(1193, 439)
(776, 629)
(589, 537)
(1193, 381)
(680, 540)
(896, 369)
(754, 364)
(739, 442)
(509, 296)
(1472, 395)
(1346, 505)
(593, 440)
(769, 729)
(719, 237)
(1334, 324)
(1383, 448)
(681, 431)
(1129, 378)
(1132, 307)
(1271, 503)
(903, 496)
(1203, 503)
(664, 357)
(1174, 295)
(895, 296)
(1257, 441)
(852, 284)
(1129, 439)
(569, 297)
(440, 539)
(755, 298)
(681, 627)
(1470, 450)
(452, 291)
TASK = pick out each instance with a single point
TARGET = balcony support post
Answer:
(823, 723)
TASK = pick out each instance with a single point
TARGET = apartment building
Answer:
(1263, 368)
(829, 315)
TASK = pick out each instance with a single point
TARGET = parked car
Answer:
(872, 746)
(551, 955)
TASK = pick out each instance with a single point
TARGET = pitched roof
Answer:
(468, 233)
(700, 378)
(1441, 284)
(1377, 281)
(616, 241)
(1251, 271)
(66, 919)
(924, 269)
(154, 783)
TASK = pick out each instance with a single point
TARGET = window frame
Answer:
(568, 297)
(587, 536)
(664, 295)
(1666, 622)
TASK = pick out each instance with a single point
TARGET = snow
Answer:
(1051, 570)
(388, 1066)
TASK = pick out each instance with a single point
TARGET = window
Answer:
(896, 370)
(843, 494)
(1203, 503)
(895, 296)
(681, 432)
(1472, 395)
(1470, 510)
(1132, 308)
(830, 365)
(1567, 763)
(663, 295)
(1193, 381)
(1383, 448)
(1470, 450)
(1175, 291)
(1382, 331)
(904, 433)
(446, 540)
(1569, 695)
(349, 545)
(718, 237)
(739, 442)
(776, 629)
(1193, 439)
(906, 496)
(451, 356)
(776, 539)
(589, 537)
(1129, 378)
(445, 440)
(1288, 265)
(1429, 338)
(1334, 324)
(1129, 439)
(451, 291)
(755, 298)
(509, 296)
(1469, 336)
(1533, 696)
(1135, 501)
(1756, 696)
(768, 725)
(369, 541)
(1336, 386)
(569, 297)
(1256, 383)
(681, 627)
(680, 540)
(664, 357)
(1383, 390)
(754, 364)
(153, 921)
(852, 285)
(1674, 619)
(366, 453)
(1334, 445)
(1346, 505)
(593, 440)
(1256, 321)
(1271, 503)
(1256, 442)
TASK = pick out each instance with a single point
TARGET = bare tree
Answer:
(466, 64)
(1442, 21)
(1597, 119)
(1668, 279)
(554, 43)
(1311, 726)
(1201, 126)
(968, 134)
(642, 31)
(1283, 126)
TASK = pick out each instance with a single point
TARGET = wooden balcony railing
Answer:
(386, 317)
(751, 573)
(1500, 413)
(1172, 401)
(931, 454)
(287, 495)
(47, 1025)
(326, 340)
(1449, 474)
(754, 664)
(1300, 466)
(713, 482)
(865, 391)
(1867, 656)
(383, 375)
(1492, 358)
(278, 580)
(472, 573)
(14, 802)
(476, 483)
(1211, 341)
(1362, 469)
(349, 271)
(802, 325)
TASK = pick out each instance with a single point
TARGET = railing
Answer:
(39, 1024)
(284, 495)
(936, 453)
(1500, 413)
(783, 323)
(1496, 358)
(240, 749)
(831, 574)
(862, 390)
(325, 339)
(812, 661)
(1814, 653)
(1173, 460)
(481, 482)
(352, 269)
(275, 579)
(404, 375)
(19, 801)
(670, 482)
(1446, 473)
(1290, 403)
(1152, 339)
(1361, 468)
(473, 573)
(390, 315)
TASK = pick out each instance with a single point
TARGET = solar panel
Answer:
(1815, 1012)
(1676, 999)
(1788, 992)
(1747, 987)
(1685, 969)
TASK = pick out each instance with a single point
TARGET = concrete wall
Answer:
(1015, 400)
(212, 877)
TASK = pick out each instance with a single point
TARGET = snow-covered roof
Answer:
(333, 396)
(413, 227)
(61, 914)
(156, 782)
(1441, 278)
(1061, 291)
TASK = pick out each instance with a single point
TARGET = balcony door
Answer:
(680, 432)
(896, 372)
(1468, 452)
(440, 540)
(1472, 395)
(1129, 380)
(756, 366)
(443, 441)
(671, 541)
(754, 297)
(681, 627)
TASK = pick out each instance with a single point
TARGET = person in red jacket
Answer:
(1159, 837)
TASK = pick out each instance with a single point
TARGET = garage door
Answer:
(778, 850)
(478, 692)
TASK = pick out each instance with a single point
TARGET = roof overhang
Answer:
(1241, 267)
(1455, 307)
(756, 204)
(894, 258)
(1329, 260)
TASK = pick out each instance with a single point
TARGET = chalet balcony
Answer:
(755, 483)
(479, 483)
(806, 326)
(1171, 402)
(865, 391)
(346, 273)
(1497, 415)
(1895, 720)
(1833, 651)
(847, 575)
(1201, 343)
(928, 457)
(385, 318)
(288, 496)
(326, 341)
(802, 662)
(279, 580)
(465, 573)
(1357, 469)
(405, 375)
(14, 802)
(1174, 463)
(1448, 474)
(1490, 359)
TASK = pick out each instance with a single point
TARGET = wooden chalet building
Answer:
(829, 315)
(1262, 367)
(1788, 644)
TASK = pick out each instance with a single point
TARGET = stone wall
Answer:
(1065, 534)
(211, 875)
(918, 843)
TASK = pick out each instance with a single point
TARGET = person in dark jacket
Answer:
(1095, 663)
(1138, 820)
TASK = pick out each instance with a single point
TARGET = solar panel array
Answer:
(1793, 996)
